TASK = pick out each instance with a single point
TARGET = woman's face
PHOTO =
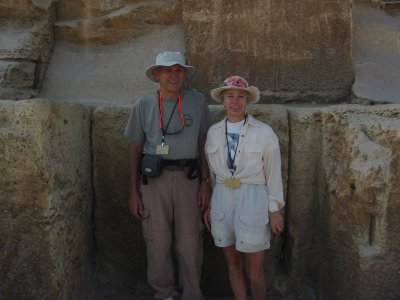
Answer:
(235, 102)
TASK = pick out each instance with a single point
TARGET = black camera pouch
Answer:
(151, 165)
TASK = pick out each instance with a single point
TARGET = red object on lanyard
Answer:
(160, 106)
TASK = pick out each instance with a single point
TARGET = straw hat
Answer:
(236, 83)
(167, 59)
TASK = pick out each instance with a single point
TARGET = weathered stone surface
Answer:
(304, 201)
(106, 22)
(26, 34)
(120, 258)
(107, 74)
(46, 200)
(291, 50)
(361, 168)
(376, 53)
(121, 254)
(17, 74)
(342, 200)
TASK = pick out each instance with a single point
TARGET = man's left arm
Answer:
(205, 187)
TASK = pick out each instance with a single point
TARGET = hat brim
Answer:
(254, 93)
(149, 71)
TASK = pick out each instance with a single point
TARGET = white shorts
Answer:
(240, 216)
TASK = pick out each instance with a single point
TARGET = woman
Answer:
(245, 165)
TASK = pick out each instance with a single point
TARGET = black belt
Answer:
(178, 162)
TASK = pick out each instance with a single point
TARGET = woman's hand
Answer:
(276, 221)
(207, 218)
(204, 195)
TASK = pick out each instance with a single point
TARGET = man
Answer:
(171, 123)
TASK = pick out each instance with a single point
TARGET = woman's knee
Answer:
(256, 274)
(233, 259)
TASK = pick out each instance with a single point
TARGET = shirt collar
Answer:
(250, 121)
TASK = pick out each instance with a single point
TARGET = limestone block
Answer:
(17, 74)
(104, 22)
(361, 149)
(121, 253)
(24, 9)
(78, 9)
(120, 257)
(27, 38)
(376, 53)
(46, 200)
(291, 50)
(305, 190)
(17, 93)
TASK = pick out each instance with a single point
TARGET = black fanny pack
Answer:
(152, 165)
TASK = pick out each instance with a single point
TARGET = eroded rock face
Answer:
(304, 237)
(292, 51)
(26, 42)
(361, 149)
(46, 200)
(108, 22)
(121, 256)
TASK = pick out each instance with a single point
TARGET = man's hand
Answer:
(136, 205)
(204, 195)
(276, 221)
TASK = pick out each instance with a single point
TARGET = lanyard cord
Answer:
(230, 159)
(160, 108)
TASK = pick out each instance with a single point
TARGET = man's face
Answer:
(170, 79)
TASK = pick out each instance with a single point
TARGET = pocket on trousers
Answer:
(254, 229)
(218, 226)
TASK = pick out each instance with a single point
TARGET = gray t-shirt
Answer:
(143, 125)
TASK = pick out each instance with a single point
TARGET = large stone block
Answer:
(120, 257)
(46, 200)
(291, 50)
(26, 37)
(342, 200)
(304, 200)
(17, 74)
(104, 22)
(376, 52)
(361, 158)
(120, 249)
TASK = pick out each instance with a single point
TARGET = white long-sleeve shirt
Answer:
(258, 158)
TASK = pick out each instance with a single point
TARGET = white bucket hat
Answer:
(167, 59)
(236, 83)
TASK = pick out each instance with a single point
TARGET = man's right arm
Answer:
(135, 199)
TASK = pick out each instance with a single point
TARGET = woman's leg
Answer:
(255, 271)
(234, 260)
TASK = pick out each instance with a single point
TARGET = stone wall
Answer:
(343, 202)
(340, 169)
(295, 51)
(337, 240)
(376, 51)
(46, 200)
(120, 256)
(26, 44)
(360, 151)
(291, 50)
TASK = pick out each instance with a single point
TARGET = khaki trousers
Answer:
(172, 223)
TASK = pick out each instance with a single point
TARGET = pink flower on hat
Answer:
(236, 81)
